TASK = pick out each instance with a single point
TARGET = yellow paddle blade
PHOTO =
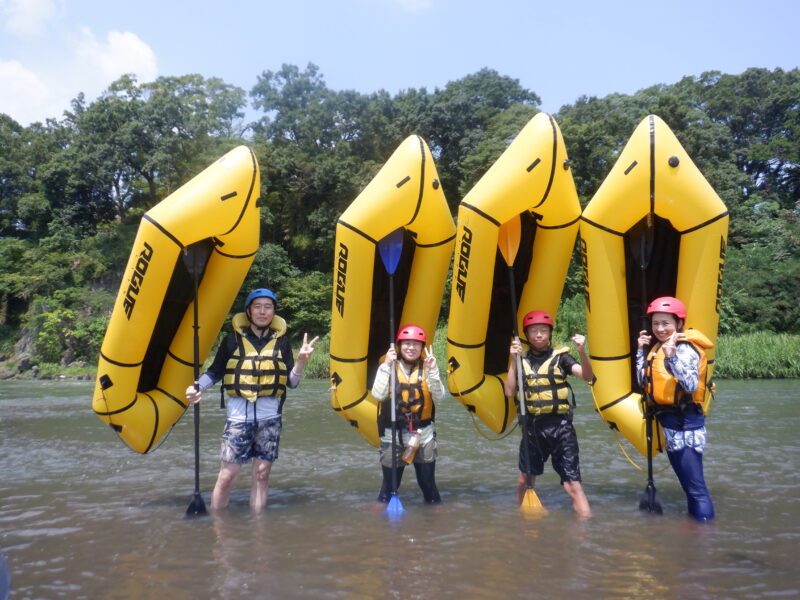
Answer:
(531, 505)
(508, 239)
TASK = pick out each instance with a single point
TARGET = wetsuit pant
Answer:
(688, 466)
(425, 479)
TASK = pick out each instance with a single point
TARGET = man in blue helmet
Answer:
(255, 364)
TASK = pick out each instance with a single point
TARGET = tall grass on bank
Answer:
(762, 355)
(317, 366)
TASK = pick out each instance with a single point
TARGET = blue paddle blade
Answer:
(391, 247)
(394, 510)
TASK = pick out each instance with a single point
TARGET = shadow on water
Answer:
(83, 517)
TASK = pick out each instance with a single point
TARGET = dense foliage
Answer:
(72, 189)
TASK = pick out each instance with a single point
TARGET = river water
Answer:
(81, 516)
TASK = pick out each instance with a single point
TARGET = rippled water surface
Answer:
(81, 516)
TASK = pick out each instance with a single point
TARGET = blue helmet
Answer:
(260, 293)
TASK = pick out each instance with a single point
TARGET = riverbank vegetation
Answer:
(73, 189)
(778, 357)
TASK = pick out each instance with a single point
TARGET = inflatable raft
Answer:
(654, 228)
(405, 194)
(531, 179)
(208, 228)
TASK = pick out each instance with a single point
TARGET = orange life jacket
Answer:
(662, 386)
(414, 395)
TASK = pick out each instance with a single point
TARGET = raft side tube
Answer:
(531, 178)
(219, 204)
(406, 193)
(653, 176)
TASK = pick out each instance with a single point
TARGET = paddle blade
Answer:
(391, 248)
(649, 501)
(394, 510)
(197, 507)
(531, 506)
(508, 239)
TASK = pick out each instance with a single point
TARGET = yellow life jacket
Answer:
(414, 397)
(662, 387)
(250, 373)
(546, 389)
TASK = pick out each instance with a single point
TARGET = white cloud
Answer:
(27, 18)
(414, 6)
(23, 95)
(35, 91)
(122, 52)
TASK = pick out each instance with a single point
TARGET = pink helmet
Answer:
(668, 304)
(411, 332)
(537, 317)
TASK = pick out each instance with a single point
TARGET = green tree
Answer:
(13, 181)
(305, 304)
(310, 172)
(68, 325)
(137, 143)
(461, 115)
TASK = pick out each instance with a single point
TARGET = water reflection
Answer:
(83, 517)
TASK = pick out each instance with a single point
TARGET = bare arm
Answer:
(510, 382)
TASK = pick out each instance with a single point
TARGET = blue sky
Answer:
(50, 50)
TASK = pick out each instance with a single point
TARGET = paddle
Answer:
(508, 238)
(197, 507)
(391, 248)
(649, 501)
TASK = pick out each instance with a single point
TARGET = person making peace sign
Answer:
(417, 387)
(256, 365)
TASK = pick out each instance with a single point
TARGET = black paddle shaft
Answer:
(523, 418)
(392, 392)
(649, 501)
(197, 506)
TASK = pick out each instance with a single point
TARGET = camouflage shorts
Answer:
(243, 441)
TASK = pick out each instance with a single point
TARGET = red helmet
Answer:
(411, 332)
(668, 304)
(536, 317)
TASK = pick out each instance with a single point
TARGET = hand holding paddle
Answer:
(644, 339)
(193, 394)
(391, 356)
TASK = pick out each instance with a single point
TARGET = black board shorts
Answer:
(554, 437)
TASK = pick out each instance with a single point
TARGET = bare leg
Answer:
(522, 485)
(260, 489)
(580, 503)
(228, 472)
